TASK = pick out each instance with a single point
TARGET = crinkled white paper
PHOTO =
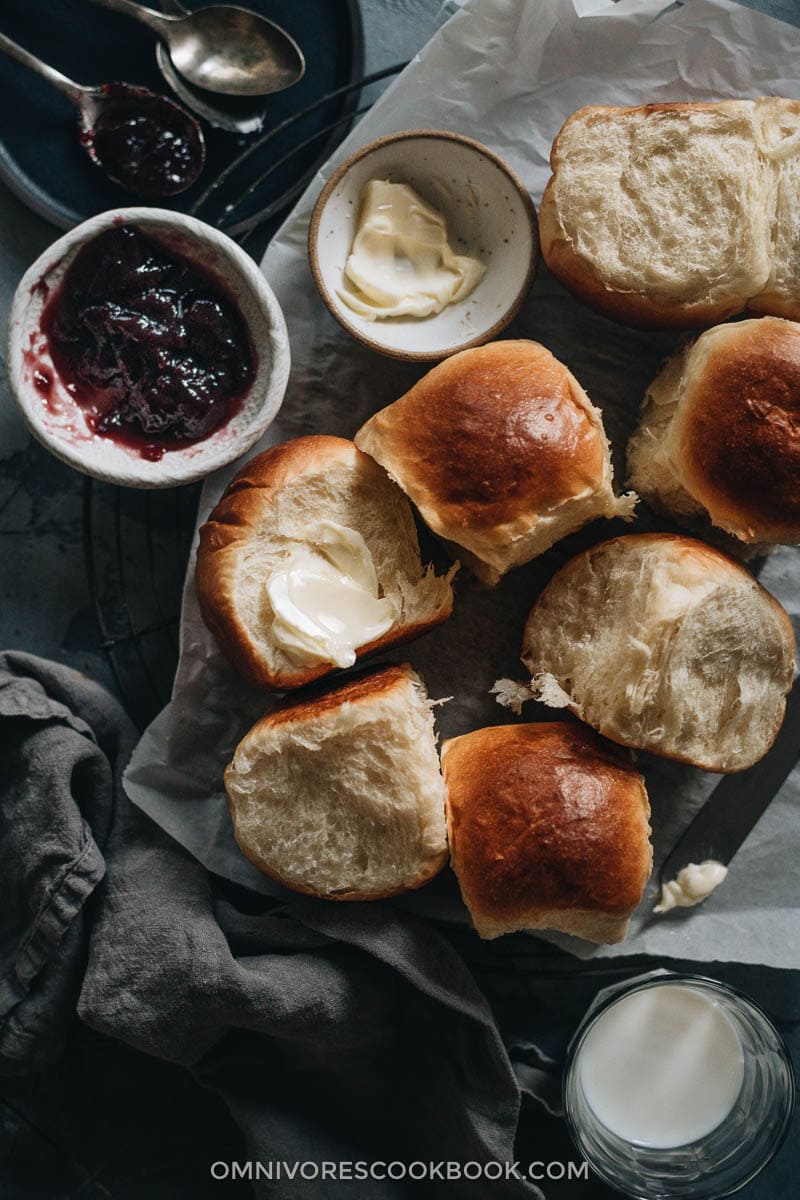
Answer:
(507, 72)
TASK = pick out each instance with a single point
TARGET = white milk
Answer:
(662, 1067)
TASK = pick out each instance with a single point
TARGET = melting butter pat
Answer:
(325, 600)
(693, 884)
(401, 263)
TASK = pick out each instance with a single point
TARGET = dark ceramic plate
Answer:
(43, 163)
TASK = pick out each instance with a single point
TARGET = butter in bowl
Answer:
(423, 243)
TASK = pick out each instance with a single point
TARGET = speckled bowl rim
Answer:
(208, 455)
(508, 314)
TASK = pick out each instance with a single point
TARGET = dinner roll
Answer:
(720, 432)
(663, 643)
(677, 215)
(548, 829)
(340, 795)
(501, 451)
(317, 524)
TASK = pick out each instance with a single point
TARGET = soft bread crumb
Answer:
(673, 213)
(662, 643)
(668, 203)
(342, 797)
(548, 690)
(511, 693)
(626, 506)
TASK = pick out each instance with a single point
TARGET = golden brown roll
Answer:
(548, 829)
(720, 432)
(316, 509)
(664, 644)
(501, 451)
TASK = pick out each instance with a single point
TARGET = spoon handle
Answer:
(156, 21)
(72, 90)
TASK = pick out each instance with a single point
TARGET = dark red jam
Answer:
(155, 352)
(145, 142)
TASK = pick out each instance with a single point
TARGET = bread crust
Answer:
(234, 522)
(636, 308)
(548, 829)
(361, 689)
(321, 700)
(737, 428)
(489, 442)
(690, 548)
(775, 304)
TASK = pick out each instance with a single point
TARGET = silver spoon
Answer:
(144, 142)
(223, 48)
(236, 114)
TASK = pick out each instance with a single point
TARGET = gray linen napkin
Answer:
(63, 744)
(338, 1033)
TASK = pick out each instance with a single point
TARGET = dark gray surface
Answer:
(109, 1121)
(43, 596)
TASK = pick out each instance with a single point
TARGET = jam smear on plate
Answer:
(153, 349)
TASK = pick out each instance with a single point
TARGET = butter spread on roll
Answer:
(401, 263)
(310, 550)
(325, 597)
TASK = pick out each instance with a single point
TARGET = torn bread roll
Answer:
(340, 795)
(310, 561)
(719, 437)
(501, 451)
(664, 644)
(548, 829)
(677, 215)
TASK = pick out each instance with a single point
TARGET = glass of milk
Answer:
(675, 1086)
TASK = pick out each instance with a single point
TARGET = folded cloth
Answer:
(63, 744)
(335, 1033)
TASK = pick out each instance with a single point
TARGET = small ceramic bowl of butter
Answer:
(423, 243)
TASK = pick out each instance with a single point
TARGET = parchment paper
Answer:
(507, 72)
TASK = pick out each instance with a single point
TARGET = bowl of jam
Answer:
(147, 349)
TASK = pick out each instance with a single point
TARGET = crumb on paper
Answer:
(512, 693)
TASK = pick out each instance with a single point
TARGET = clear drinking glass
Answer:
(729, 1156)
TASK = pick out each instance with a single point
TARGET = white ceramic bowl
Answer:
(489, 214)
(58, 421)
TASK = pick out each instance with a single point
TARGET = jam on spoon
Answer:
(144, 142)
(149, 343)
